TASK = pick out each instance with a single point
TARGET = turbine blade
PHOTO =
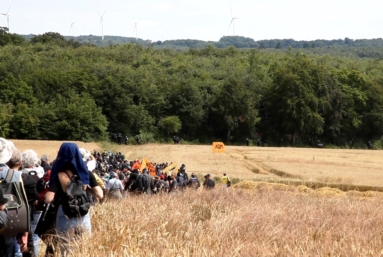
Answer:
(230, 24)
(231, 10)
(99, 14)
(104, 13)
(9, 7)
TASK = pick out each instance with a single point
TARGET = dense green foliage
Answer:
(51, 88)
(347, 47)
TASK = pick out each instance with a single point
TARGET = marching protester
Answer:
(208, 183)
(193, 182)
(69, 179)
(114, 187)
(226, 180)
(29, 159)
(10, 161)
(59, 198)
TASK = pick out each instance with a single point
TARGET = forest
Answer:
(58, 89)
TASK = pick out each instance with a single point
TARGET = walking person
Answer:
(114, 187)
(226, 180)
(208, 183)
(67, 167)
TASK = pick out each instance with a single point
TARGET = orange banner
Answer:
(218, 147)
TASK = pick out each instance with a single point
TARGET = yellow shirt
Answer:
(225, 180)
(99, 180)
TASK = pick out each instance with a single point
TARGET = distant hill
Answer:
(224, 42)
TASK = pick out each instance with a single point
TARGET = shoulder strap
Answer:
(9, 176)
(70, 177)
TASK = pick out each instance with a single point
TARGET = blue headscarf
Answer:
(69, 152)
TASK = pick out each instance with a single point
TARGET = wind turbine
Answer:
(232, 21)
(135, 30)
(7, 14)
(102, 23)
(72, 28)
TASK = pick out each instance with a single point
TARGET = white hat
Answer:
(85, 154)
(5, 150)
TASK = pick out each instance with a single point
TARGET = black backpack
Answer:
(145, 182)
(75, 202)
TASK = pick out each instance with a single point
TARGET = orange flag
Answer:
(143, 164)
(150, 167)
(136, 165)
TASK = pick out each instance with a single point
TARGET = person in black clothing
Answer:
(137, 137)
(208, 183)
(351, 144)
(247, 141)
(126, 140)
(182, 177)
(193, 182)
(69, 162)
(370, 145)
(31, 192)
(45, 163)
(134, 183)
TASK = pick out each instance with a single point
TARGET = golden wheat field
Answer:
(356, 167)
(287, 202)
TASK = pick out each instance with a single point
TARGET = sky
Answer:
(206, 20)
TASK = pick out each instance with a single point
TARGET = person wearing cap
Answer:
(114, 187)
(10, 157)
(208, 183)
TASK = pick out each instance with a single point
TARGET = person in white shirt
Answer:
(114, 187)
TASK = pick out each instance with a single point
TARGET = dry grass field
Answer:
(331, 166)
(235, 222)
(256, 217)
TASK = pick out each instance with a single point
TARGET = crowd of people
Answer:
(118, 176)
(60, 193)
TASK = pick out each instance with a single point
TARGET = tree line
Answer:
(52, 88)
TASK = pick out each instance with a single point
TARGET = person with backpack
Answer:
(147, 182)
(69, 181)
(208, 183)
(226, 180)
(193, 182)
(182, 177)
(3, 215)
(16, 240)
(173, 185)
(28, 160)
(46, 226)
(114, 187)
